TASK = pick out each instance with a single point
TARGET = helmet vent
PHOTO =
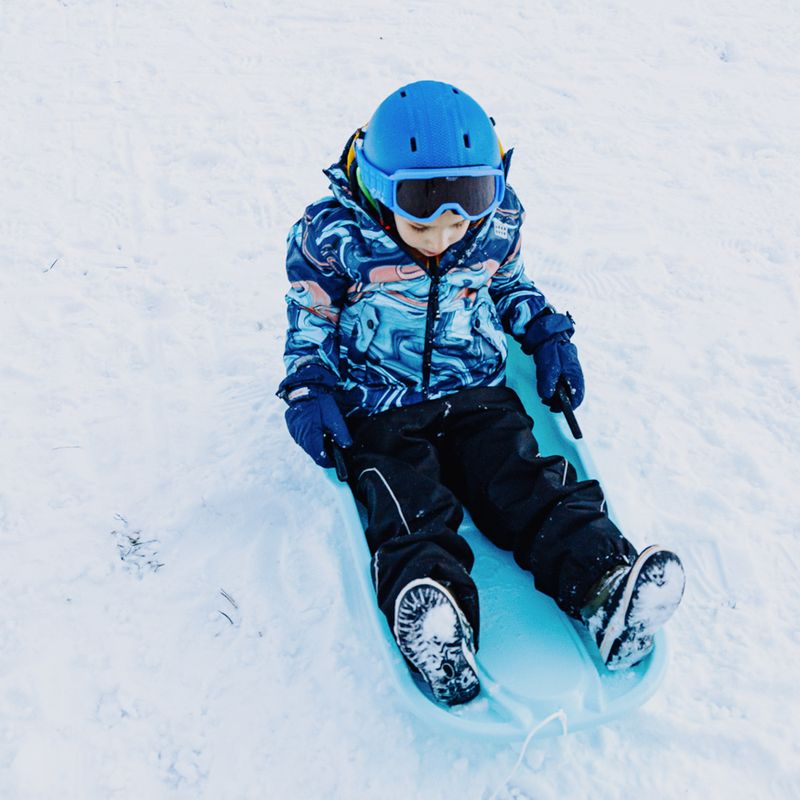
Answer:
(402, 94)
(455, 91)
(466, 140)
(413, 144)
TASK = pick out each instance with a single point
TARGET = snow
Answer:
(439, 624)
(154, 155)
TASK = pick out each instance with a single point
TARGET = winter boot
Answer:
(436, 639)
(630, 604)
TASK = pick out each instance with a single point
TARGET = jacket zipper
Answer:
(431, 266)
(430, 323)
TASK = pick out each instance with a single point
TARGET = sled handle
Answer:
(562, 390)
(338, 458)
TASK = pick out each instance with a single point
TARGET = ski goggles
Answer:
(422, 195)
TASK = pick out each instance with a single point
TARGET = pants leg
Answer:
(555, 525)
(413, 518)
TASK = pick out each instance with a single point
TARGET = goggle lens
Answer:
(422, 197)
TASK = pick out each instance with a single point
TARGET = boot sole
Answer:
(628, 636)
(452, 678)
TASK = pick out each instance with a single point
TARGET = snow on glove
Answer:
(547, 338)
(313, 413)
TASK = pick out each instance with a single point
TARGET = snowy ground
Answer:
(153, 154)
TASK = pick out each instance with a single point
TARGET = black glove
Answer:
(547, 338)
(313, 414)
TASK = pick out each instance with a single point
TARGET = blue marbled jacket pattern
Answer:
(358, 304)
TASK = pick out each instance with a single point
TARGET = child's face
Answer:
(434, 237)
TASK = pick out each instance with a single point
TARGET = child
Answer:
(404, 285)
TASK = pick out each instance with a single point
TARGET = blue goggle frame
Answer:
(383, 186)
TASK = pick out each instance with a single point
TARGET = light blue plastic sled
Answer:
(534, 661)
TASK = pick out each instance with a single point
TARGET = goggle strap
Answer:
(367, 193)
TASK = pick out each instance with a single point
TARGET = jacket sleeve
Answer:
(517, 299)
(318, 289)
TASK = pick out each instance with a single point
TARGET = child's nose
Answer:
(440, 242)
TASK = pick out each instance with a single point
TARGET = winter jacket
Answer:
(396, 330)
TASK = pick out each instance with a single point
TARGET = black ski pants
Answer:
(414, 467)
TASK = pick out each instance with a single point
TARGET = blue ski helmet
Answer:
(430, 125)
(429, 147)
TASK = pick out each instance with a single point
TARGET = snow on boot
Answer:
(631, 603)
(436, 639)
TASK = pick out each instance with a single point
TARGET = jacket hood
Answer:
(343, 192)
